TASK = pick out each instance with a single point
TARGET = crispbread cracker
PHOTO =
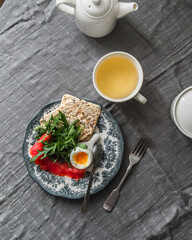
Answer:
(90, 110)
(72, 98)
(74, 108)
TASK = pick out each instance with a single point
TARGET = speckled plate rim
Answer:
(98, 188)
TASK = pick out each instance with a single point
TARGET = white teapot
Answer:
(96, 18)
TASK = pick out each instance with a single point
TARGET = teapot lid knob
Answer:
(96, 8)
(96, 1)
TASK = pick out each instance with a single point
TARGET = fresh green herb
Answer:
(40, 131)
(83, 146)
(64, 138)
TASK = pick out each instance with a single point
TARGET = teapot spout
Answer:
(125, 8)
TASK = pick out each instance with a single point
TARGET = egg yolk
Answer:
(81, 157)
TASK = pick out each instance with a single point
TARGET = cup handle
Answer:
(140, 98)
(62, 5)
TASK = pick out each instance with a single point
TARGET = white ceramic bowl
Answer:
(181, 111)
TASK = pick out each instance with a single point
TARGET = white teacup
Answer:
(135, 93)
(181, 111)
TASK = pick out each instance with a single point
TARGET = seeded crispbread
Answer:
(90, 111)
(74, 108)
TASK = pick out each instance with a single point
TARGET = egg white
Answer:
(77, 165)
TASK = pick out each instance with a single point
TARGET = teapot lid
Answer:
(96, 8)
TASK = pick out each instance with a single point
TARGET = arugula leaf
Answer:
(83, 146)
(64, 138)
(63, 119)
(36, 156)
(40, 131)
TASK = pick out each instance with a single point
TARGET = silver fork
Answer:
(134, 157)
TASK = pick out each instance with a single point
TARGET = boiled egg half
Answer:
(81, 158)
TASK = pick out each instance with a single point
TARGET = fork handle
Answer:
(113, 197)
(111, 200)
(125, 176)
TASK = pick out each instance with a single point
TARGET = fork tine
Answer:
(144, 147)
(136, 148)
(141, 145)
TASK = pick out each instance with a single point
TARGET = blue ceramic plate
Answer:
(113, 145)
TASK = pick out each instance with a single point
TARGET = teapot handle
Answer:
(61, 4)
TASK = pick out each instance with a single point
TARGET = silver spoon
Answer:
(97, 155)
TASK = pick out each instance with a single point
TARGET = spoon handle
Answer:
(87, 196)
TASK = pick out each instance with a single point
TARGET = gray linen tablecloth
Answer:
(43, 56)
